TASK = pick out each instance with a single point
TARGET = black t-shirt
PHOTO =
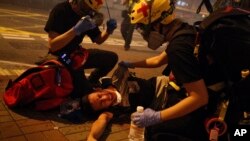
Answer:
(181, 59)
(61, 19)
(184, 65)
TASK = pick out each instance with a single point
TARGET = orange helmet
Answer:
(148, 11)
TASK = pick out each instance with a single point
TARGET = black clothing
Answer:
(185, 67)
(127, 29)
(189, 127)
(146, 94)
(182, 62)
(61, 19)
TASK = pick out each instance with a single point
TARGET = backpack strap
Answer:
(52, 63)
(225, 12)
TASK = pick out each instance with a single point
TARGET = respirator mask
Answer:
(154, 38)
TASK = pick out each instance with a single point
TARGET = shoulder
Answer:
(61, 7)
(182, 43)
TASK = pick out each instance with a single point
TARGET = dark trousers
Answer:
(102, 62)
(127, 30)
(187, 128)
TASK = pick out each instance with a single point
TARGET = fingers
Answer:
(136, 119)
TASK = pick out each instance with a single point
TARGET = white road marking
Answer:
(17, 36)
(23, 35)
(16, 72)
(14, 69)
(17, 63)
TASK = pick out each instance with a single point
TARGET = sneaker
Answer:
(127, 47)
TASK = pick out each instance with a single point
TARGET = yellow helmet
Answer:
(161, 10)
(94, 4)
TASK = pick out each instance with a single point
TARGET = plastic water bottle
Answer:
(136, 133)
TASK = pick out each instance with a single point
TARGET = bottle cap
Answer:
(245, 73)
(139, 109)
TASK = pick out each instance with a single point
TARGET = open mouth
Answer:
(111, 96)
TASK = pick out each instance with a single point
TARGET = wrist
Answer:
(91, 138)
(76, 31)
(159, 116)
(108, 32)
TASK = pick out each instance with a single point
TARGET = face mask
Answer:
(143, 30)
(155, 40)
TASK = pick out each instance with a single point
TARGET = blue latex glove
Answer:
(83, 25)
(111, 26)
(126, 64)
(147, 118)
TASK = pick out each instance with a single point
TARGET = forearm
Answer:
(57, 42)
(180, 109)
(147, 63)
(152, 62)
(103, 37)
(197, 98)
(99, 126)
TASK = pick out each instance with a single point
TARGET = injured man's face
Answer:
(104, 98)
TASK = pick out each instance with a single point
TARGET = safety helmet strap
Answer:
(163, 15)
(170, 11)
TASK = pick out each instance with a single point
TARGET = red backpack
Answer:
(46, 86)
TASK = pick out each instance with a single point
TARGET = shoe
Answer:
(126, 48)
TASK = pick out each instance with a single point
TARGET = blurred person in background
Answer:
(127, 29)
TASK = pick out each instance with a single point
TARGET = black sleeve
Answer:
(55, 21)
(94, 34)
(182, 61)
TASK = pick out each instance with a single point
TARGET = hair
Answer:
(87, 109)
(73, 1)
(86, 106)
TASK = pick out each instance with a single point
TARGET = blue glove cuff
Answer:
(111, 26)
(83, 25)
(147, 118)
